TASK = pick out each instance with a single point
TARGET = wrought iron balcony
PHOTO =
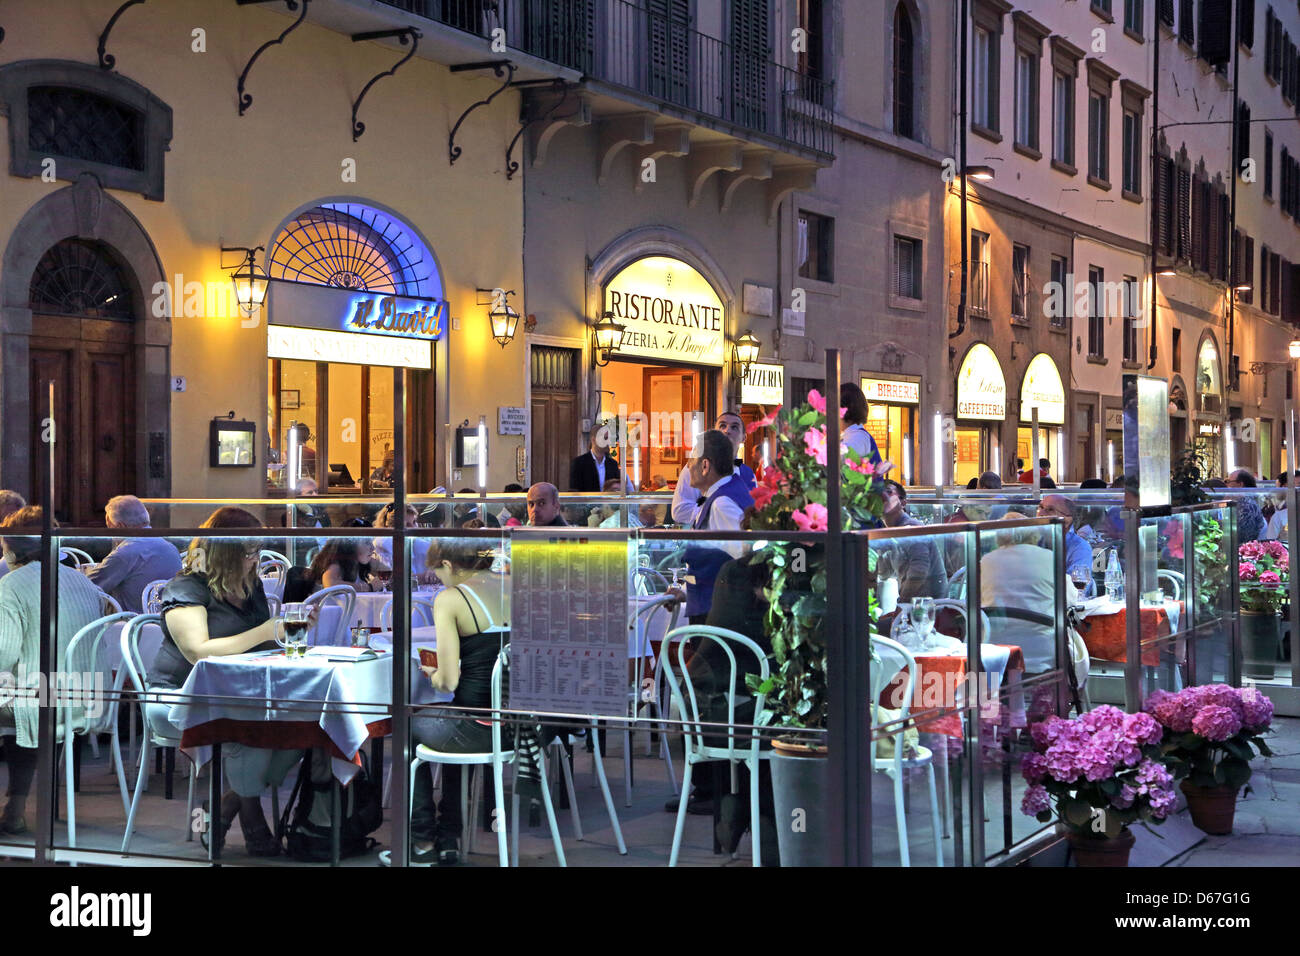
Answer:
(622, 45)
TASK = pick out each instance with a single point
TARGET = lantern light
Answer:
(607, 336)
(249, 278)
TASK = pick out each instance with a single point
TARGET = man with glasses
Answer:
(1250, 518)
(686, 498)
(915, 561)
(1078, 553)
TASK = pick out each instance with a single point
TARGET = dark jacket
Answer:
(583, 475)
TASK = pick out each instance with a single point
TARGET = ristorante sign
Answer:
(353, 321)
(668, 311)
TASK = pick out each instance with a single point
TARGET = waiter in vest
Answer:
(686, 496)
(723, 498)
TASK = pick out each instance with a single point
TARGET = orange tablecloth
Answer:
(1107, 634)
(936, 686)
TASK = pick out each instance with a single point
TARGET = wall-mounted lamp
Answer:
(982, 174)
(1293, 349)
(744, 353)
(606, 336)
(249, 278)
(504, 319)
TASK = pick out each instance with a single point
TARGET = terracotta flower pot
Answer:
(1090, 851)
(1212, 808)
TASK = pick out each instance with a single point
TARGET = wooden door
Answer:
(94, 420)
(554, 435)
(51, 365)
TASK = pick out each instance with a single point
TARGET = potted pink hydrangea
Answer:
(1209, 733)
(1099, 773)
(1262, 574)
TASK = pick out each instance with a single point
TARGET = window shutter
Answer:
(1248, 272)
(1162, 194)
(1216, 31)
(1274, 279)
(1214, 235)
(1183, 213)
(1187, 29)
(750, 52)
(1167, 12)
(1246, 22)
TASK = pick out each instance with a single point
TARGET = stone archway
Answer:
(84, 211)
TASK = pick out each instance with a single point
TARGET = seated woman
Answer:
(340, 561)
(468, 615)
(418, 549)
(215, 608)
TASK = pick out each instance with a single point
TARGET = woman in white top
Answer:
(853, 433)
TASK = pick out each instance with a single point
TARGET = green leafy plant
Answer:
(791, 496)
(1185, 477)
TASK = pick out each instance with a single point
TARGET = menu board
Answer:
(568, 634)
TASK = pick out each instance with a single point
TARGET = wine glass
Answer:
(291, 629)
(921, 615)
(1081, 575)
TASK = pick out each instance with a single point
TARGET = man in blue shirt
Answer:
(1078, 553)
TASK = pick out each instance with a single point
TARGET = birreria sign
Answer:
(668, 311)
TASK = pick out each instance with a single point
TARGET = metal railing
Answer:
(625, 45)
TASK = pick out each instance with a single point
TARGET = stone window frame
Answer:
(17, 78)
(1101, 80)
(987, 14)
(1065, 60)
(1133, 98)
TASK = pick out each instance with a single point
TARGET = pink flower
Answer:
(1276, 550)
(1257, 710)
(1142, 728)
(811, 517)
(816, 400)
(1269, 577)
(1252, 550)
(814, 441)
(1035, 801)
(1034, 768)
(763, 496)
(1216, 723)
(1247, 571)
(762, 422)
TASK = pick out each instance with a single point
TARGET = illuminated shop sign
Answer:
(981, 389)
(321, 345)
(668, 311)
(328, 309)
(889, 390)
(763, 385)
(1042, 389)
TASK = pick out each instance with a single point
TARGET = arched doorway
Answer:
(82, 316)
(1208, 438)
(73, 284)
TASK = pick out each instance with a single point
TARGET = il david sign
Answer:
(668, 311)
(763, 385)
(981, 389)
(355, 327)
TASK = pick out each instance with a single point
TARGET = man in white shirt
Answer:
(686, 497)
(720, 507)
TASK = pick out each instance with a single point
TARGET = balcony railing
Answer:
(624, 45)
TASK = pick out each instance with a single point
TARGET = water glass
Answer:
(921, 614)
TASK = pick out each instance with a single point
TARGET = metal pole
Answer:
(1035, 452)
(973, 746)
(46, 724)
(1293, 545)
(847, 675)
(1234, 601)
(401, 633)
(1133, 612)
(961, 171)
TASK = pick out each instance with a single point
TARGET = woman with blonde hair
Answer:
(216, 608)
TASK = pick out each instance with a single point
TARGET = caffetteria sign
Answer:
(668, 311)
(981, 388)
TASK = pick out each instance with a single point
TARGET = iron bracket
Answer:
(246, 99)
(498, 67)
(558, 86)
(403, 34)
(106, 60)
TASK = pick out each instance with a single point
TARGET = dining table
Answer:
(1104, 628)
(335, 698)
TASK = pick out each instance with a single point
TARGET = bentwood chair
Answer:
(739, 749)
(497, 758)
(894, 657)
(141, 638)
(336, 606)
(273, 568)
(421, 613)
(151, 596)
(81, 558)
(91, 711)
(639, 619)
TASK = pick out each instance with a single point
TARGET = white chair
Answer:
(85, 655)
(336, 606)
(273, 604)
(151, 596)
(273, 568)
(598, 764)
(111, 604)
(1174, 579)
(496, 759)
(893, 658)
(421, 613)
(697, 751)
(648, 581)
(76, 554)
(141, 638)
(639, 618)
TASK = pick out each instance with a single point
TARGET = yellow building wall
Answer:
(232, 180)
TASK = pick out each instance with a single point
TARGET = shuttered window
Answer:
(907, 267)
(751, 61)
(562, 31)
(1242, 149)
(1186, 22)
(1246, 23)
(1163, 193)
(1286, 182)
(1216, 31)
(1096, 312)
(1167, 12)
(1062, 282)
(904, 65)
(1183, 213)
(668, 26)
(1268, 164)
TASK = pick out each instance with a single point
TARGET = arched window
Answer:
(904, 74)
(352, 246)
(76, 277)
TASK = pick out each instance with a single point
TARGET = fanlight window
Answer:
(351, 246)
(76, 277)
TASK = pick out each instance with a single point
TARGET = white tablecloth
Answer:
(341, 696)
(422, 691)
